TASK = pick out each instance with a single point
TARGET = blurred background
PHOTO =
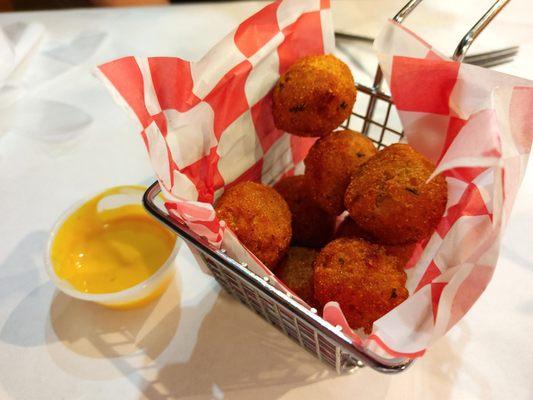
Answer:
(21, 5)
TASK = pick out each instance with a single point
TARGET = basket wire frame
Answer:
(374, 116)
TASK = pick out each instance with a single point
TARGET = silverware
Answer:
(486, 59)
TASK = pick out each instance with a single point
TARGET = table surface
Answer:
(66, 139)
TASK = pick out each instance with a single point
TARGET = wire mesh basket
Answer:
(375, 116)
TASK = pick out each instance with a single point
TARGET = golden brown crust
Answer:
(389, 198)
(361, 277)
(259, 217)
(296, 271)
(314, 96)
(403, 252)
(311, 226)
(330, 163)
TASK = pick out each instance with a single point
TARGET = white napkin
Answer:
(17, 44)
(38, 118)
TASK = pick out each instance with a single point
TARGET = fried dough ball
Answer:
(296, 271)
(403, 252)
(389, 198)
(362, 278)
(330, 163)
(311, 226)
(314, 96)
(259, 217)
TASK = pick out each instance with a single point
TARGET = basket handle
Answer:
(458, 55)
(470, 36)
(406, 10)
(479, 26)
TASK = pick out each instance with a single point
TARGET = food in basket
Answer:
(259, 217)
(390, 202)
(331, 162)
(365, 281)
(296, 271)
(314, 96)
(403, 252)
(311, 226)
(390, 198)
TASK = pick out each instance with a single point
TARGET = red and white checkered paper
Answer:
(208, 125)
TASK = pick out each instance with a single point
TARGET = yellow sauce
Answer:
(111, 250)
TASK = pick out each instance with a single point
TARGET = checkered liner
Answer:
(208, 125)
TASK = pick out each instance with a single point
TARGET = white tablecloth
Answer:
(64, 138)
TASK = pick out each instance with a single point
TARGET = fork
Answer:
(486, 59)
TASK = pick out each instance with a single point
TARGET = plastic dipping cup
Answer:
(135, 296)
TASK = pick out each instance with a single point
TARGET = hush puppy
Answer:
(259, 217)
(311, 226)
(389, 198)
(403, 252)
(330, 163)
(314, 96)
(296, 271)
(362, 278)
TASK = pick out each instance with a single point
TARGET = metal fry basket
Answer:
(327, 342)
